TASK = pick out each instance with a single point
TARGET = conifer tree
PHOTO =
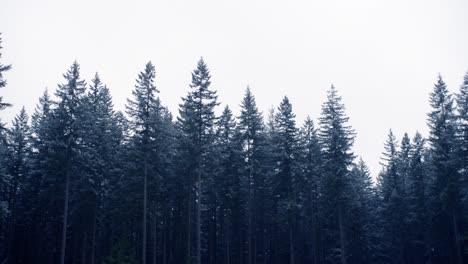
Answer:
(445, 192)
(311, 170)
(462, 139)
(102, 136)
(417, 201)
(363, 237)
(336, 138)
(229, 184)
(66, 119)
(141, 110)
(252, 136)
(36, 187)
(391, 191)
(19, 168)
(287, 177)
(197, 120)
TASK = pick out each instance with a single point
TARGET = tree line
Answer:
(83, 183)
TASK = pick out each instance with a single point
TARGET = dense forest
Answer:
(83, 183)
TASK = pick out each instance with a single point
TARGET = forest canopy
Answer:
(81, 182)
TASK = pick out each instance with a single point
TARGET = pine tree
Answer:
(229, 186)
(462, 149)
(252, 136)
(287, 177)
(363, 239)
(66, 145)
(197, 120)
(445, 186)
(102, 136)
(391, 191)
(19, 168)
(336, 138)
(141, 111)
(311, 170)
(417, 201)
(35, 189)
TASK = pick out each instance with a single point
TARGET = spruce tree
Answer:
(252, 136)
(102, 136)
(462, 139)
(19, 168)
(287, 178)
(336, 138)
(311, 163)
(445, 191)
(36, 190)
(141, 110)
(197, 120)
(417, 201)
(363, 239)
(66, 116)
(229, 187)
(391, 210)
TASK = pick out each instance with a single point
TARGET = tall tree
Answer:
(19, 168)
(336, 138)
(391, 188)
(445, 186)
(287, 177)
(252, 136)
(462, 138)
(229, 184)
(417, 201)
(363, 239)
(311, 169)
(141, 110)
(102, 136)
(197, 119)
(66, 138)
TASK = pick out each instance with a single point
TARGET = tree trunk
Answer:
(459, 254)
(342, 235)
(65, 214)
(198, 193)
(155, 242)
(189, 222)
(250, 215)
(291, 238)
(93, 239)
(83, 248)
(143, 252)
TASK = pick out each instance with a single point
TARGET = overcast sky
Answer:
(383, 56)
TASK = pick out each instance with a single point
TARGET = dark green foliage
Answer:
(336, 139)
(444, 187)
(80, 183)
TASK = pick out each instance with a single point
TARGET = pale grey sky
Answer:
(383, 56)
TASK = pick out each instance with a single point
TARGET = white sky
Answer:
(383, 56)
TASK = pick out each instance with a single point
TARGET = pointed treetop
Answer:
(74, 87)
(390, 146)
(285, 111)
(226, 120)
(335, 133)
(201, 76)
(440, 94)
(441, 118)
